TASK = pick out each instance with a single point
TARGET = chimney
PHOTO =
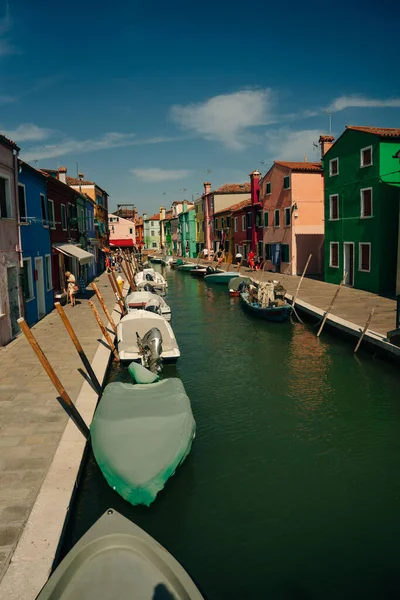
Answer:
(207, 187)
(144, 216)
(254, 187)
(325, 142)
(184, 206)
(162, 213)
(62, 174)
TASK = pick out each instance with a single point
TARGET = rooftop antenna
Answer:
(36, 161)
(328, 111)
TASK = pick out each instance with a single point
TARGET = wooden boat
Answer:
(222, 277)
(235, 284)
(150, 276)
(140, 322)
(187, 266)
(117, 559)
(143, 300)
(279, 313)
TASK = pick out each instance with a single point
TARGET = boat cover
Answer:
(140, 374)
(140, 434)
(236, 281)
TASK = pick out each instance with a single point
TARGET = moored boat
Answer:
(150, 276)
(235, 284)
(266, 300)
(117, 559)
(155, 259)
(198, 271)
(186, 266)
(139, 323)
(144, 300)
(222, 277)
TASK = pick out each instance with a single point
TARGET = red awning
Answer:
(122, 243)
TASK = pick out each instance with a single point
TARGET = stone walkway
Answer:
(31, 419)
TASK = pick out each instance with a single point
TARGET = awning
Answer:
(70, 250)
(123, 243)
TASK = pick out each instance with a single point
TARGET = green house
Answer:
(187, 230)
(362, 193)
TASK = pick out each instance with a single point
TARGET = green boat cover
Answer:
(140, 435)
(179, 262)
(140, 374)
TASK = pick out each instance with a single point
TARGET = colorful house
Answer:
(187, 229)
(165, 233)
(91, 240)
(293, 217)
(254, 218)
(122, 232)
(139, 234)
(239, 227)
(199, 213)
(10, 255)
(362, 181)
(223, 232)
(35, 241)
(151, 231)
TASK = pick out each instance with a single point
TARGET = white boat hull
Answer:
(140, 322)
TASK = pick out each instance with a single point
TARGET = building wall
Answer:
(9, 257)
(199, 214)
(152, 242)
(123, 229)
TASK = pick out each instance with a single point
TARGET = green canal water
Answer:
(292, 488)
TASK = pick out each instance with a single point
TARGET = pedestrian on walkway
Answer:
(71, 288)
(238, 258)
(250, 258)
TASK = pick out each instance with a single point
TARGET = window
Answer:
(222, 222)
(286, 182)
(259, 218)
(22, 203)
(235, 224)
(228, 221)
(187, 227)
(333, 207)
(151, 233)
(43, 207)
(249, 220)
(285, 253)
(49, 276)
(151, 223)
(333, 167)
(243, 223)
(268, 188)
(277, 218)
(202, 225)
(131, 230)
(5, 198)
(364, 263)
(198, 227)
(268, 252)
(366, 157)
(215, 224)
(366, 202)
(63, 217)
(287, 216)
(154, 245)
(50, 212)
(266, 219)
(259, 248)
(334, 254)
(28, 280)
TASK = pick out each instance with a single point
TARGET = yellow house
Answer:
(199, 208)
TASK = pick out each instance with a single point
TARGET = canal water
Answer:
(292, 488)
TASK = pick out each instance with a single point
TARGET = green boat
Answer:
(187, 266)
(117, 559)
(140, 434)
(223, 277)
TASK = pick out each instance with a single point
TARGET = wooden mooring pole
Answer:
(301, 279)
(331, 304)
(104, 330)
(364, 331)
(78, 347)
(103, 306)
(116, 292)
(66, 401)
(113, 275)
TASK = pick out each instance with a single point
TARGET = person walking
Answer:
(238, 258)
(250, 258)
(71, 288)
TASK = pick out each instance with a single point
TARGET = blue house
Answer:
(35, 242)
(92, 243)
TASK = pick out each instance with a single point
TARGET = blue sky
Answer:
(148, 96)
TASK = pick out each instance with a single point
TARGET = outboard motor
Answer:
(210, 270)
(153, 306)
(149, 277)
(150, 346)
(149, 288)
(242, 286)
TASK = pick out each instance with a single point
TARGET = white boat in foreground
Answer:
(143, 300)
(140, 322)
(150, 276)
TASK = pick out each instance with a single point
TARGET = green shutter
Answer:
(285, 253)
(265, 219)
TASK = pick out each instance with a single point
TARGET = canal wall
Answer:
(29, 560)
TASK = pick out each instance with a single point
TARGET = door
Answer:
(40, 287)
(13, 299)
(348, 263)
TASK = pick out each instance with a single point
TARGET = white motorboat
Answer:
(140, 322)
(150, 276)
(147, 301)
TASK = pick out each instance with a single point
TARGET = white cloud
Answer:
(153, 174)
(28, 132)
(228, 117)
(5, 27)
(283, 144)
(7, 99)
(358, 101)
(104, 142)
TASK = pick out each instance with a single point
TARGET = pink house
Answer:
(292, 195)
(122, 232)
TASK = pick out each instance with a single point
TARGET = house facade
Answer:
(239, 228)
(122, 232)
(139, 233)
(254, 218)
(223, 233)
(187, 230)
(37, 283)
(151, 231)
(199, 214)
(11, 301)
(92, 244)
(166, 241)
(362, 183)
(293, 217)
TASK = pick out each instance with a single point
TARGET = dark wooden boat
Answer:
(279, 314)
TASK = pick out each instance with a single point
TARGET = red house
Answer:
(241, 235)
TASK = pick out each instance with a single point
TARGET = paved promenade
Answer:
(31, 419)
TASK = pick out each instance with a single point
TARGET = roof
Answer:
(314, 167)
(7, 142)
(153, 218)
(233, 188)
(235, 207)
(381, 131)
(76, 181)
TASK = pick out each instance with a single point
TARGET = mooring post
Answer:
(78, 347)
(103, 306)
(301, 279)
(104, 330)
(364, 331)
(117, 297)
(331, 304)
(66, 401)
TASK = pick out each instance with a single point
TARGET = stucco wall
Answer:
(121, 230)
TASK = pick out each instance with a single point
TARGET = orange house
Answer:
(292, 194)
